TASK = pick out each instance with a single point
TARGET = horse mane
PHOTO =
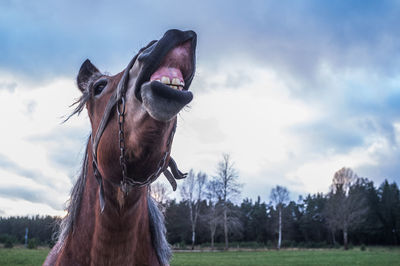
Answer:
(156, 218)
(158, 232)
(74, 202)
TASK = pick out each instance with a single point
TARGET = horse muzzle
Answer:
(167, 71)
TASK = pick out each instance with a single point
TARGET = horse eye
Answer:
(99, 87)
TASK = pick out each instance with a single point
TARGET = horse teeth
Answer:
(176, 81)
(165, 80)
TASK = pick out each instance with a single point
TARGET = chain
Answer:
(121, 137)
(127, 182)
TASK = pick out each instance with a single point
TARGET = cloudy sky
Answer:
(293, 90)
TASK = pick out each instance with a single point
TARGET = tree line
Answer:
(41, 229)
(354, 212)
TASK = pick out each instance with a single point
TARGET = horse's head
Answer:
(154, 88)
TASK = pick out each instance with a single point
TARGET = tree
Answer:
(389, 211)
(254, 220)
(312, 223)
(279, 195)
(346, 206)
(192, 190)
(292, 214)
(370, 230)
(159, 192)
(228, 188)
(214, 209)
(177, 224)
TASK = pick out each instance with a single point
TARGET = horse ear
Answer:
(86, 71)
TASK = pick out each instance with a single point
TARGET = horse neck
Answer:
(120, 235)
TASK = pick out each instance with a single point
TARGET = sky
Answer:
(292, 90)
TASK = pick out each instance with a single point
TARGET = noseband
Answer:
(127, 183)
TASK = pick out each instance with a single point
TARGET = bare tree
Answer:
(346, 206)
(279, 196)
(343, 180)
(159, 192)
(228, 188)
(192, 190)
(214, 210)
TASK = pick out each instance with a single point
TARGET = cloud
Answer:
(11, 166)
(21, 207)
(332, 135)
(9, 86)
(32, 195)
(38, 151)
(61, 144)
(295, 39)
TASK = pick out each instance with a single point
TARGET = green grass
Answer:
(291, 257)
(372, 256)
(22, 256)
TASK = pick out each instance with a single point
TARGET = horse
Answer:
(111, 218)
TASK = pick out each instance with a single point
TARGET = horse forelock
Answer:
(81, 103)
(85, 97)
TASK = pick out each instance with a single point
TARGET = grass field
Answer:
(292, 257)
(22, 256)
(372, 256)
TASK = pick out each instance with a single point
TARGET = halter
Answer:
(127, 183)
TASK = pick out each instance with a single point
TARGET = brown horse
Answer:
(111, 218)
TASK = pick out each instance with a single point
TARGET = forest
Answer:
(353, 212)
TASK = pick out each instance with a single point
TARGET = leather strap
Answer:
(114, 99)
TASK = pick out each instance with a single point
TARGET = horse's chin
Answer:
(162, 102)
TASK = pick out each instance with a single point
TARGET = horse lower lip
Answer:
(162, 102)
(171, 94)
(172, 86)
